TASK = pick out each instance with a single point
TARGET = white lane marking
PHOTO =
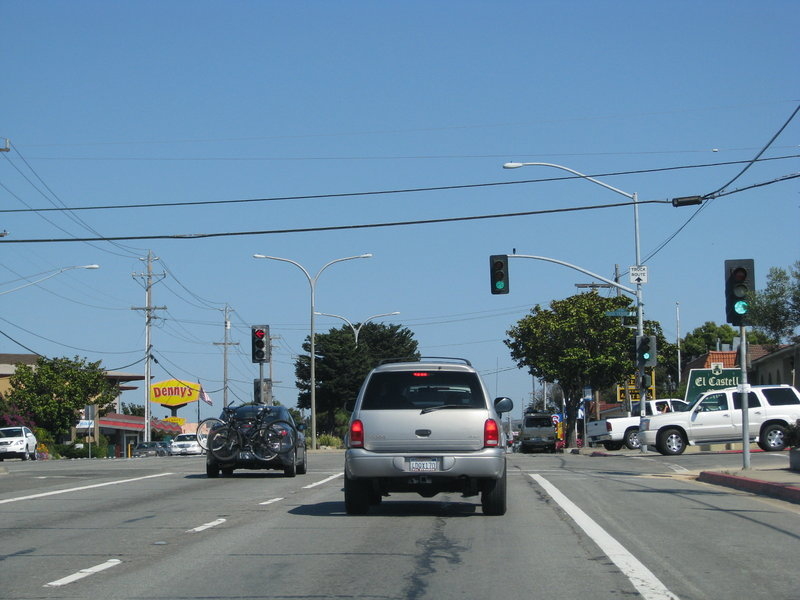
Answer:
(113, 562)
(205, 526)
(78, 489)
(326, 480)
(649, 586)
(270, 501)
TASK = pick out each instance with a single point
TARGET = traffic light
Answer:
(259, 338)
(646, 352)
(498, 272)
(739, 285)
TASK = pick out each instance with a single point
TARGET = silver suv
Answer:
(427, 427)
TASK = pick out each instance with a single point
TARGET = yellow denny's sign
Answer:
(174, 392)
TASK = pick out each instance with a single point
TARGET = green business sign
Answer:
(703, 380)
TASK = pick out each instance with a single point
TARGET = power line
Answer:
(381, 192)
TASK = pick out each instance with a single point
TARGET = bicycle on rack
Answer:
(225, 438)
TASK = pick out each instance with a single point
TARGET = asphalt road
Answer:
(577, 527)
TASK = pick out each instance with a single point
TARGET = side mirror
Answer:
(503, 404)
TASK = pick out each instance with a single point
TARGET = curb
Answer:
(782, 491)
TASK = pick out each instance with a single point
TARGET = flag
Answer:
(205, 397)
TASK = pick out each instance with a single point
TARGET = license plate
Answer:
(423, 464)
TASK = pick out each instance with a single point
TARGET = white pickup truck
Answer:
(716, 417)
(616, 432)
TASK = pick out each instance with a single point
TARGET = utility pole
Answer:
(148, 309)
(225, 345)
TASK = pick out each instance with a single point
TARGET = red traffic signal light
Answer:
(259, 338)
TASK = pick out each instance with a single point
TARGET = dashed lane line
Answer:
(81, 488)
(113, 562)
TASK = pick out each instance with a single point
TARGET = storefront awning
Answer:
(135, 423)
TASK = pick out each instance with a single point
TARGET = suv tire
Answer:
(356, 496)
(291, 470)
(671, 442)
(212, 469)
(493, 496)
(772, 438)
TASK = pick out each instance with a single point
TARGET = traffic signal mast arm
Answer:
(577, 268)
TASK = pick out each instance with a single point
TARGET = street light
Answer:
(46, 277)
(312, 282)
(357, 330)
(639, 303)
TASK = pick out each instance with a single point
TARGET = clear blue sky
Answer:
(110, 103)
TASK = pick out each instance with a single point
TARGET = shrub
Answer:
(326, 439)
(793, 435)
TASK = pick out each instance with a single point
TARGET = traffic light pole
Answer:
(744, 391)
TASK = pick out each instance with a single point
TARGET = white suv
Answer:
(716, 417)
(425, 427)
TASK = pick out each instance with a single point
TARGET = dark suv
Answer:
(291, 462)
(426, 427)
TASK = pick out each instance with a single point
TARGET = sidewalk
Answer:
(781, 483)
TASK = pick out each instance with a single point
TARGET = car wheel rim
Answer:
(775, 438)
(674, 443)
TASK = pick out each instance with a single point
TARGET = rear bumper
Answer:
(488, 463)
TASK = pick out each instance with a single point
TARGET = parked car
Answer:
(150, 449)
(17, 442)
(716, 417)
(425, 427)
(185, 443)
(291, 461)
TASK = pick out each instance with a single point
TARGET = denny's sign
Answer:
(174, 392)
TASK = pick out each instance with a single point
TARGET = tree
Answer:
(576, 344)
(341, 366)
(775, 311)
(133, 409)
(708, 336)
(54, 390)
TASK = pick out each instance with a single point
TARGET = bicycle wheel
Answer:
(261, 446)
(204, 430)
(278, 436)
(224, 444)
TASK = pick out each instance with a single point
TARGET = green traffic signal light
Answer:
(739, 284)
(498, 265)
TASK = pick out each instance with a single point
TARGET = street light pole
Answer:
(639, 302)
(312, 282)
(357, 330)
(46, 277)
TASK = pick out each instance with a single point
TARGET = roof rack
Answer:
(384, 361)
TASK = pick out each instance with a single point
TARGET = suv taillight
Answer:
(491, 433)
(356, 434)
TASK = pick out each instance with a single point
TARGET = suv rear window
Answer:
(538, 422)
(780, 396)
(416, 390)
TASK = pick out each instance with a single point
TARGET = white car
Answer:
(185, 443)
(17, 442)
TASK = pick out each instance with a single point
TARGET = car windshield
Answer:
(419, 390)
(13, 432)
(186, 437)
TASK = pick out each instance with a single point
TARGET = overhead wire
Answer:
(386, 192)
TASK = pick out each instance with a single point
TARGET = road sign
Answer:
(633, 388)
(556, 419)
(621, 312)
(638, 274)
